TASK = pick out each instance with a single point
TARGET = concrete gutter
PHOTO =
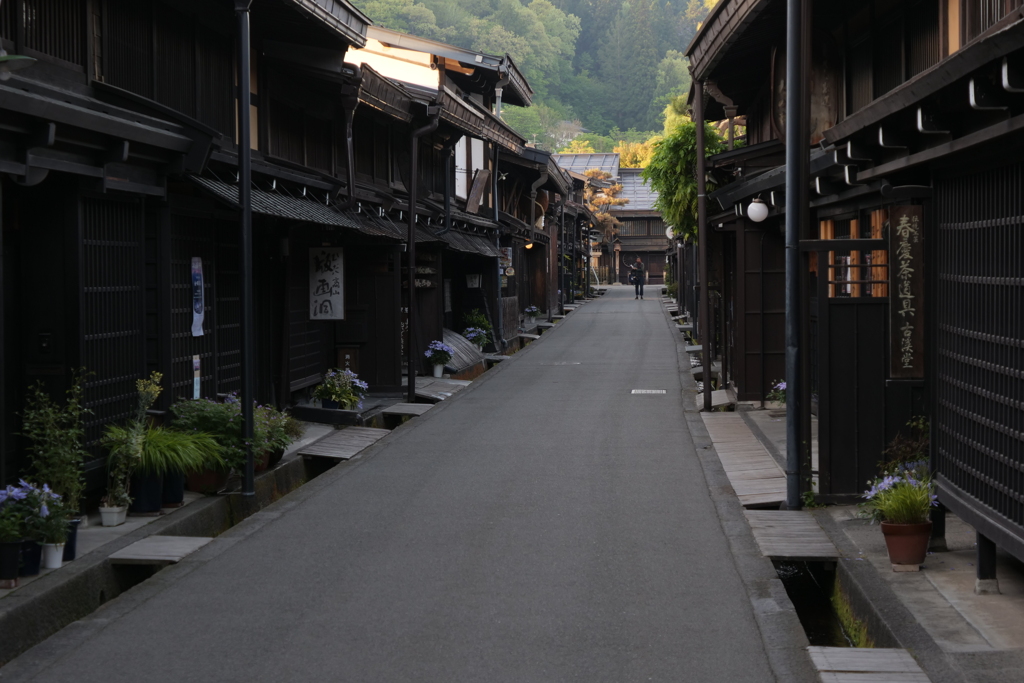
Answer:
(34, 612)
(782, 635)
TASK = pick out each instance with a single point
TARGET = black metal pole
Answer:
(499, 315)
(703, 234)
(434, 113)
(3, 355)
(797, 181)
(245, 242)
(763, 235)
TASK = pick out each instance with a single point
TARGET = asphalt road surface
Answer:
(545, 525)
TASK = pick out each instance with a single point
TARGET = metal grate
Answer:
(192, 237)
(112, 312)
(981, 15)
(924, 39)
(228, 298)
(978, 434)
(174, 60)
(887, 49)
(127, 46)
(55, 28)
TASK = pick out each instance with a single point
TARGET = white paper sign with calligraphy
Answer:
(326, 284)
(906, 292)
(198, 297)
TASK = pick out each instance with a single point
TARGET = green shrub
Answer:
(56, 436)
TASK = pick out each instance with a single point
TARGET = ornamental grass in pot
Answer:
(141, 454)
(273, 430)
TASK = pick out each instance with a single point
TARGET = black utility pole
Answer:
(434, 112)
(798, 29)
(703, 235)
(245, 241)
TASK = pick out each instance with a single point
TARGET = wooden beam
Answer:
(974, 139)
(984, 97)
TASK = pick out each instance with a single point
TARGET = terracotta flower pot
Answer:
(261, 461)
(275, 457)
(907, 543)
(207, 481)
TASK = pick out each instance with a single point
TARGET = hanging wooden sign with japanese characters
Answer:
(326, 284)
(906, 292)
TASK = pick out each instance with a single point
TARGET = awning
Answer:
(308, 210)
(470, 244)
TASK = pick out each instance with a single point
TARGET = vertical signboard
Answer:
(326, 288)
(906, 292)
(198, 297)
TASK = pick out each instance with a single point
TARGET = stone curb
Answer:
(782, 635)
(887, 619)
(35, 612)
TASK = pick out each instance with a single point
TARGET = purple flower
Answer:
(44, 511)
(781, 386)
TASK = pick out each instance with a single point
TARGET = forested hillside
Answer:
(607, 65)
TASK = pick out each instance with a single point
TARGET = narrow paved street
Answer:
(545, 525)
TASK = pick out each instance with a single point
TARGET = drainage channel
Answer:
(811, 587)
(66, 596)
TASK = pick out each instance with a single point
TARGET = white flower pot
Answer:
(53, 555)
(530, 319)
(113, 516)
(438, 371)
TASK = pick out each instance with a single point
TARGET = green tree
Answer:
(672, 173)
(577, 146)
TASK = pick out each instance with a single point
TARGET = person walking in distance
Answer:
(637, 277)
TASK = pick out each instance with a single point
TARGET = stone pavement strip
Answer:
(546, 524)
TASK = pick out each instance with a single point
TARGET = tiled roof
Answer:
(640, 195)
(580, 163)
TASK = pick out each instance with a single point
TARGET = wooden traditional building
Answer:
(642, 230)
(120, 211)
(912, 254)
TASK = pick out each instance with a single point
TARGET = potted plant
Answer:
(901, 501)
(531, 314)
(12, 532)
(52, 530)
(477, 320)
(280, 429)
(439, 354)
(778, 395)
(476, 335)
(56, 448)
(143, 454)
(35, 504)
(273, 430)
(341, 389)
